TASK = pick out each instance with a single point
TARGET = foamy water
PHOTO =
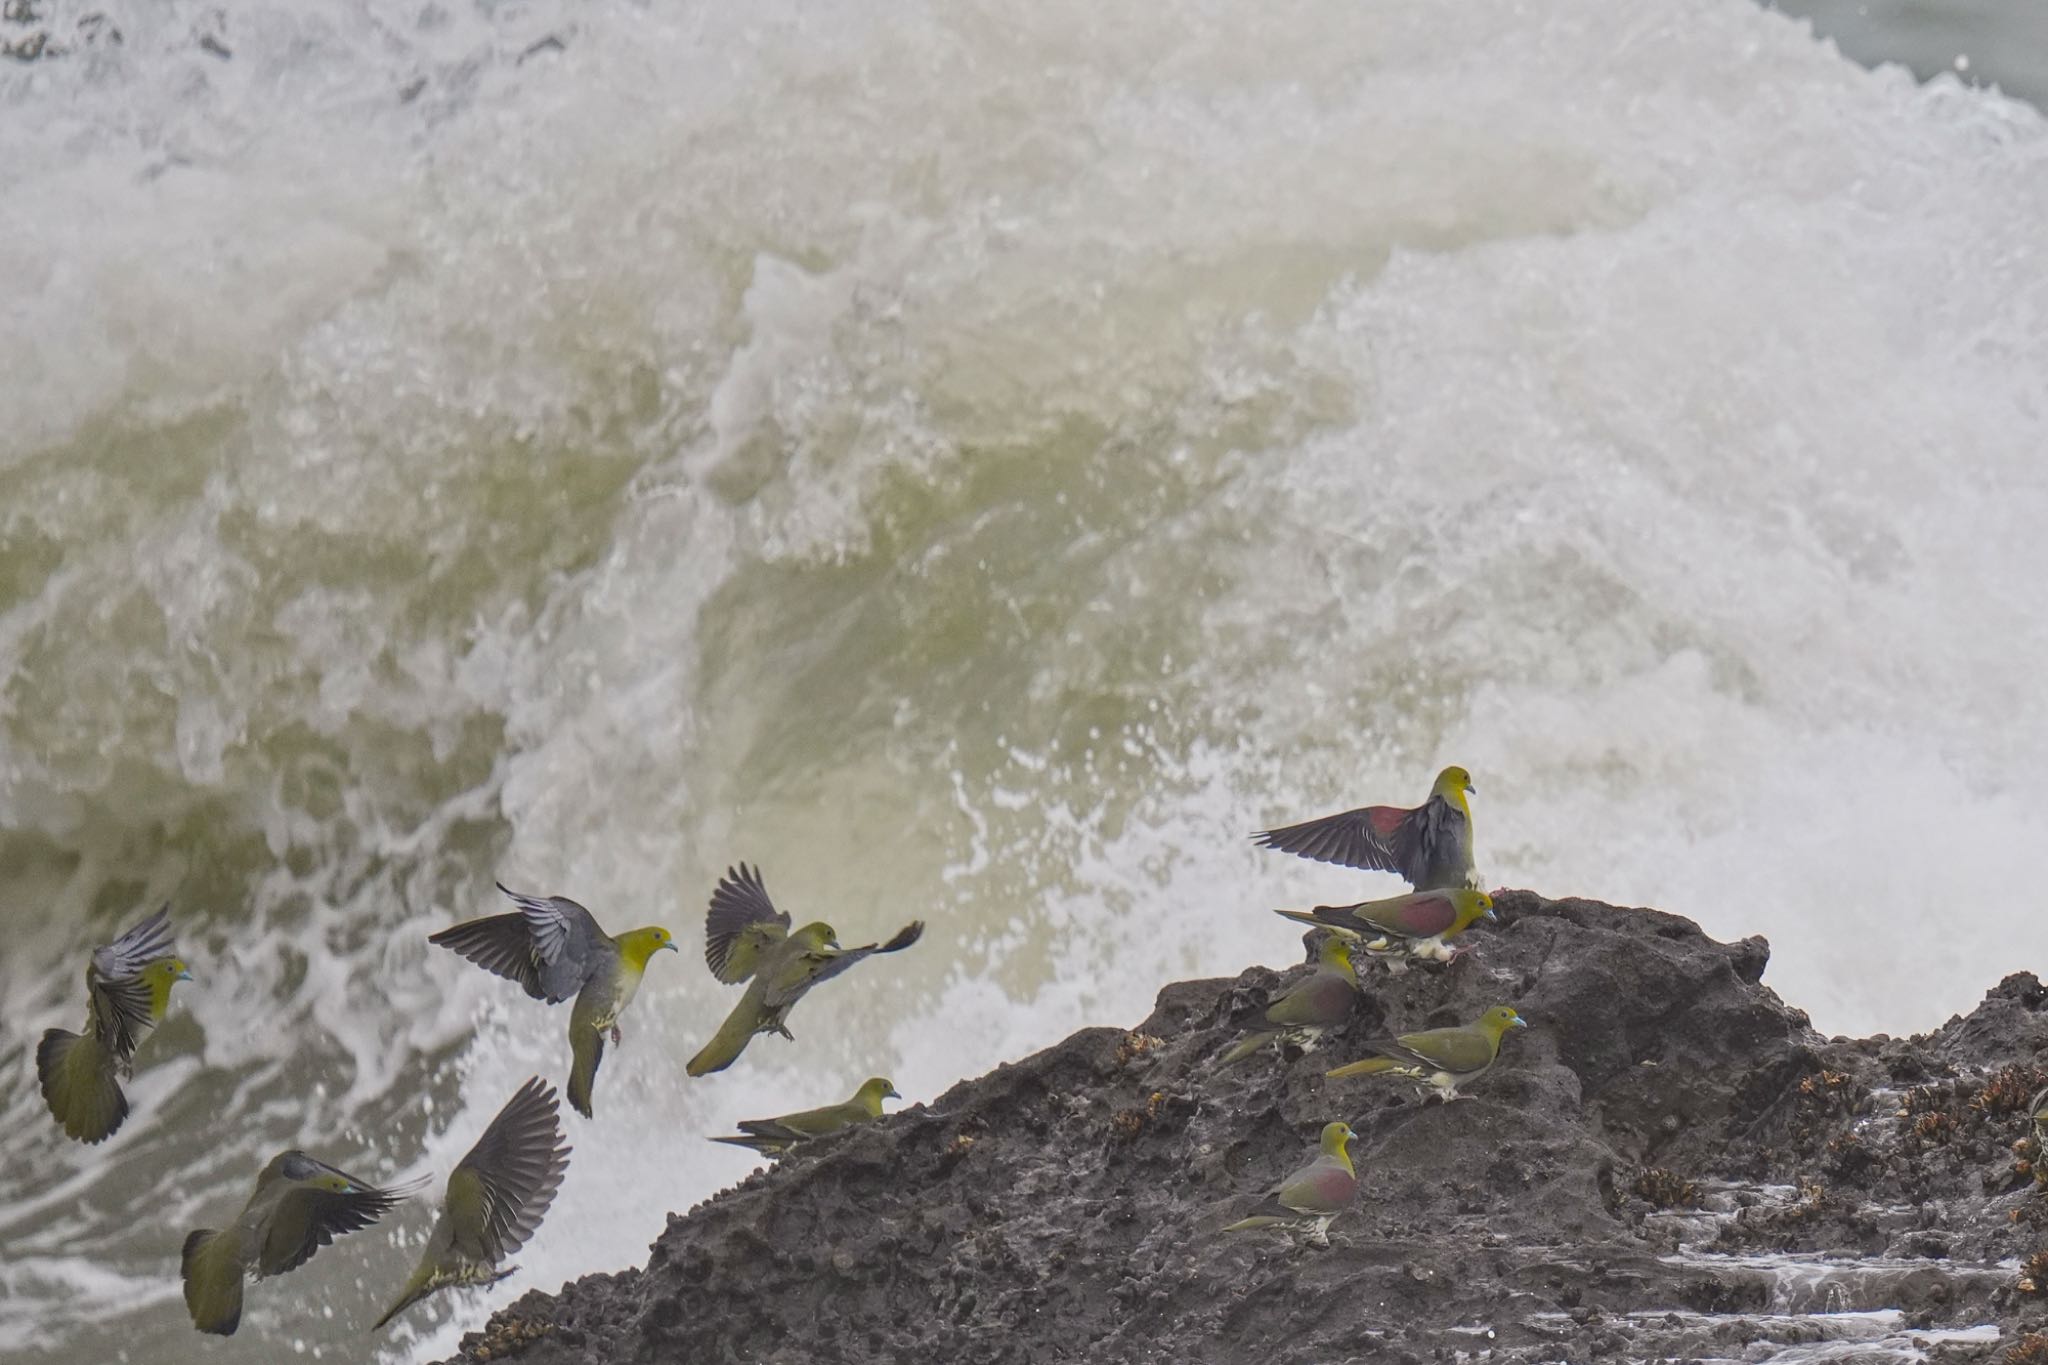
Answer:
(978, 466)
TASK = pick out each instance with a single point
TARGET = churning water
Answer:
(978, 461)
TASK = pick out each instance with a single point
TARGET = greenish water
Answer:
(978, 467)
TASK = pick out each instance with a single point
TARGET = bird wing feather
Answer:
(307, 1218)
(136, 949)
(503, 946)
(1320, 999)
(742, 926)
(117, 1000)
(1322, 1187)
(566, 941)
(1367, 838)
(1427, 842)
(826, 963)
(1458, 1050)
(516, 1166)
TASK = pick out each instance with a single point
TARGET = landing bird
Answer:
(554, 949)
(745, 936)
(299, 1206)
(497, 1195)
(127, 991)
(1430, 845)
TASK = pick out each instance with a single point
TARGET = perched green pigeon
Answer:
(746, 936)
(773, 1137)
(127, 991)
(554, 949)
(1321, 1000)
(299, 1206)
(1309, 1199)
(1419, 924)
(497, 1195)
(1445, 1058)
(1430, 845)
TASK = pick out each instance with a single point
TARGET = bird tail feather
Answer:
(422, 1283)
(81, 1084)
(1258, 1220)
(1246, 1048)
(1372, 1066)
(725, 1046)
(213, 1283)
(766, 1146)
(589, 1049)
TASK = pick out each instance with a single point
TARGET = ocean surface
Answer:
(978, 462)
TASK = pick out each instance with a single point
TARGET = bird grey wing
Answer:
(119, 1011)
(742, 924)
(518, 1164)
(136, 949)
(1365, 838)
(773, 1130)
(565, 939)
(823, 966)
(306, 1219)
(1271, 1207)
(1425, 840)
(503, 946)
(828, 1118)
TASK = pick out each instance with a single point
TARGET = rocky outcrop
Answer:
(1670, 1163)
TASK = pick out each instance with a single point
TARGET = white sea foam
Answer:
(979, 466)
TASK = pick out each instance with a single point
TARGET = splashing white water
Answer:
(979, 466)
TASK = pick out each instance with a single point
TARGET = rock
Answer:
(1668, 1163)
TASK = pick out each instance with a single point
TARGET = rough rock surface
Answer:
(1669, 1164)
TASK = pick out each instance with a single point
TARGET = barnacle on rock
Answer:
(2008, 1089)
(2034, 1274)
(1136, 1045)
(1666, 1189)
(2031, 1349)
(1823, 1081)
(505, 1336)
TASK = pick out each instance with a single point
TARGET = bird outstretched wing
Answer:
(512, 1172)
(118, 1001)
(828, 963)
(742, 925)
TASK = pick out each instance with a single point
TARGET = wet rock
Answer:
(1669, 1163)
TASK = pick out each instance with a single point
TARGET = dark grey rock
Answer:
(1065, 1207)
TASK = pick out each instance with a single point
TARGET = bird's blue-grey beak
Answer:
(1490, 914)
(185, 976)
(1520, 1022)
(671, 946)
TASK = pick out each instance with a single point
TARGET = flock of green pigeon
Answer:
(1429, 845)
(498, 1193)
(556, 951)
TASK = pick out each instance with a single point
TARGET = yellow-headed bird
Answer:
(746, 936)
(1430, 844)
(1419, 924)
(553, 948)
(1318, 1002)
(496, 1197)
(773, 1137)
(299, 1206)
(127, 990)
(1443, 1058)
(1308, 1200)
